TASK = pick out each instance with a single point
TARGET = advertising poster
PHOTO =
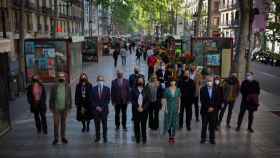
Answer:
(49, 52)
(29, 47)
(29, 61)
(43, 64)
(213, 59)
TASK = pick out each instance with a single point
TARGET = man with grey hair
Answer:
(60, 104)
(100, 109)
(120, 98)
(209, 99)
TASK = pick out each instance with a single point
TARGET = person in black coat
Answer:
(140, 106)
(36, 97)
(209, 99)
(250, 90)
(162, 75)
(187, 87)
(116, 56)
(83, 102)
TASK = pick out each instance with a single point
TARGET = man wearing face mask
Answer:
(36, 97)
(133, 78)
(187, 87)
(162, 76)
(120, 98)
(209, 99)
(140, 105)
(100, 102)
(60, 104)
(250, 90)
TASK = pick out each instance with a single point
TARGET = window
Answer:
(29, 22)
(226, 18)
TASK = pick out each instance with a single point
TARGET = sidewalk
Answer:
(22, 140)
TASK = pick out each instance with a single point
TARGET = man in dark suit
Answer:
(140, 106)
(162, 75)
(100, 109)
(120, 98)
(187, 87)
(209, 99)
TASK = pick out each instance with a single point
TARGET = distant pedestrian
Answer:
(250, 90)
(60, 105)
(152, 60)
(124, 54)
(100, 108)
(171, 102)
(36, 97)
(116, 56)
(138, 55)
(197, 78)
(231, 91)
(140, 106)
(83, 102)
(209, 99)
(120, 98)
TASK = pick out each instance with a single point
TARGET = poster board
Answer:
(215, 54)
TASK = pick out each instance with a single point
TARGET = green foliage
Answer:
(274, 26)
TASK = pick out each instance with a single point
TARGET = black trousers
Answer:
(120, 108)
(196, 107)
(154, 115)
(185, 107)
(140, 123)
(208, 122)
(228, 105)
(115, 61)
(243, 109)
(41, 121)
(98, 120)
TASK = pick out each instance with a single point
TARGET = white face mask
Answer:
(217, 82)
(210, 84)
(250, 78)
(100, 83)
(163, 67)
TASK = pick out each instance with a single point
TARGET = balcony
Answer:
(16, 3)
(29, 5)
(228, 7)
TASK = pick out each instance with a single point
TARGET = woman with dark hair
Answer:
(36, 97)
(83, 101)
(171, 104)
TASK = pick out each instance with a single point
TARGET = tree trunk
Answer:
(209, 21)
(198, 18)
(243, 42)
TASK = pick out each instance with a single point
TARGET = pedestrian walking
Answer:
(116, 56)
(171, 103)
(140, 106)
(60, 105)
(120, 98)
(231, 92)
(138, 55)
(36, 97)
(124, 53)
(209, 99)
(187, 88)
(152, 60)
(100, 109)
(250, 91)
(156, 92)
(83, 102)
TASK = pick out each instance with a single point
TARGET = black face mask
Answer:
(140, 84)
(35, 81)
(61, 80)
(136, 72)
(186, 77)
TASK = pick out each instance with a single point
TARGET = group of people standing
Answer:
(171, 89)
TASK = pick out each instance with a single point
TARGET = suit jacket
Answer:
(162, 77)
(42, 106)
(207, 102)
(134, 99)
(187, 89)
(120, 94)
(101, 101)
(68, 97)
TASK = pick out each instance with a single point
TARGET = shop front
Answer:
(48, 57)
